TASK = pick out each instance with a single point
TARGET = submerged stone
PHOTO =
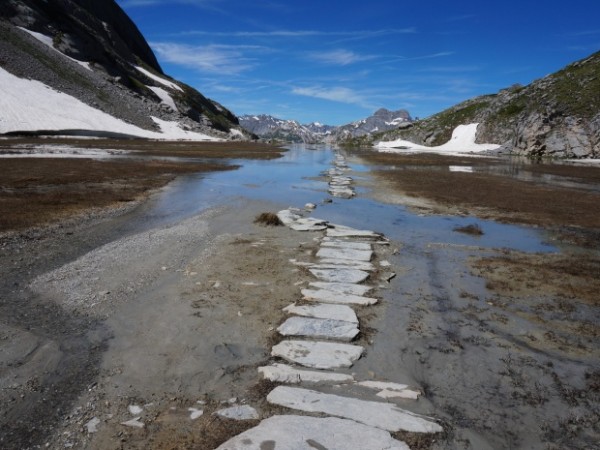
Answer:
(318, 355)
(318, 328)
(306, 433)
(308, 224)
(386, 416)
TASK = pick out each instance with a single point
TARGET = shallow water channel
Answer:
(294, 180)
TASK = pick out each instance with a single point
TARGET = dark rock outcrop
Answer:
(99, 33)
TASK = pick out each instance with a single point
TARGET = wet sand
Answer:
(98, 315)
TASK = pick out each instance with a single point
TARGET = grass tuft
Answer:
(268, 219)
(472, 229)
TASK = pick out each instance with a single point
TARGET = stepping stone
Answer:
(344, 288)
(318, 355)
(391, 390)
(239, 412)
(347, 244)
(287, 217)
(343, 264)
(302, 432)
(345, 253)
(318, 328)
(340, 275)
(386, 416)
(324, 311)
(324, 296)
(308, 224)
(282, 373)
(342, 231)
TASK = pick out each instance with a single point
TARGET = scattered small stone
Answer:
(135, 409)
(239, 412)
(195, 413)
(92, 425)
(134, 423)
(310, 206)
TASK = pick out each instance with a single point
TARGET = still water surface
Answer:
(294, 180)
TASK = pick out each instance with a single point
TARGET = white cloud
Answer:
(359, 34)
(210, 58)
(339, 57)
(335, 94)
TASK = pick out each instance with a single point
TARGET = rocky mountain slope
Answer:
(272, 128)
(93, 53)
(558, 116)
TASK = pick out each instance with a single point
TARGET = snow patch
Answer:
(29, 105)
(158, 79)
(462, 141)
(164, 97)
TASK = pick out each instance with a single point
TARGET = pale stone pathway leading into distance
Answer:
(319, 331)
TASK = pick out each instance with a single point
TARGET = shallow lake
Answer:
(297, 179)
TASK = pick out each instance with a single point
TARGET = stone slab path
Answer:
(322, 325)
(301, 432)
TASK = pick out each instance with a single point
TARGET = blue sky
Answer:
(336, 61)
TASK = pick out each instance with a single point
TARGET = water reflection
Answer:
(293, 180)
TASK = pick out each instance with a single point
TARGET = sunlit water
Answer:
(293, 180)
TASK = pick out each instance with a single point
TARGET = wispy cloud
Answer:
(223, 59)
(334, 94)
(451, 69)
(298, 33)
(339, 57)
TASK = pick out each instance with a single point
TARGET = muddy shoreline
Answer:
(110, 313)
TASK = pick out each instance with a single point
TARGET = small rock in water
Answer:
(310, 206)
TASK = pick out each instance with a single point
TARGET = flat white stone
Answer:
(386, 416)
(342, 231)
(344, 288)
(310, 433)
(385, 264)
(287, 217)
(340, 275)
(318, 355)
(282, 373)
(308, 224)
(238, 412)
(324, 311)
(391, 390)
(324, 296)
(347, 244)
(345, 253)
(318, 328)
(343, 264)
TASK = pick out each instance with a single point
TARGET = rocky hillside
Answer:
(91, 51)
(272, 128)
(558, 115)
(381, 120)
